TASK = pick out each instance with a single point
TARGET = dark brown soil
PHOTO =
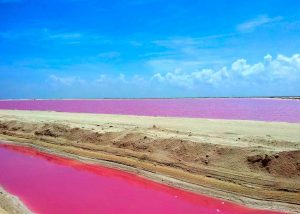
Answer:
(284, 164)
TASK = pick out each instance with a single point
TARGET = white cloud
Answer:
(48, 35)
(190, 80)
(109, 55)
(257, 22)
(181, 42)
(166, 65)
(68, 37)
(65, 80)
(243, 68)
(177, 42)
(269, 70)
(176, 78)
(122, 78)
(102, 79)
(64, 36)
(191, 51)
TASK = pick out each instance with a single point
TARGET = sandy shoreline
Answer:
(252, 163)
(11, 204)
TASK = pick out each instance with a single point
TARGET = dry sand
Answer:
(252, 163)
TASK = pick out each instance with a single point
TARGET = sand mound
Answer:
(186, 154)
(285, 164)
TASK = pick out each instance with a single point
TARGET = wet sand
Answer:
(253, 163)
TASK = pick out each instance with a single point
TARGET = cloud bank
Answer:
(271, 76)
(269, 70)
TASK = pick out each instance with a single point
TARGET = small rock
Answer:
(254, 158)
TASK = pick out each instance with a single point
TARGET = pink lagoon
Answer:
(281, 110)
(52, 184)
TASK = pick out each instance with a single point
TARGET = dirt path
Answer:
(253, 163)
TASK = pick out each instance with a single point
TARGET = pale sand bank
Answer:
(220, 128)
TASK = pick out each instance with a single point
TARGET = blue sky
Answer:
(149, 48)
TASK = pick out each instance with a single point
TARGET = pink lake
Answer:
(281, 110)
(51, 184)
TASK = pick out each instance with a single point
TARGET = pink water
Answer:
(51, 184)
(216, 108)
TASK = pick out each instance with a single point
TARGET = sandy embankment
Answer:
(11, 204)
(252, 163)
